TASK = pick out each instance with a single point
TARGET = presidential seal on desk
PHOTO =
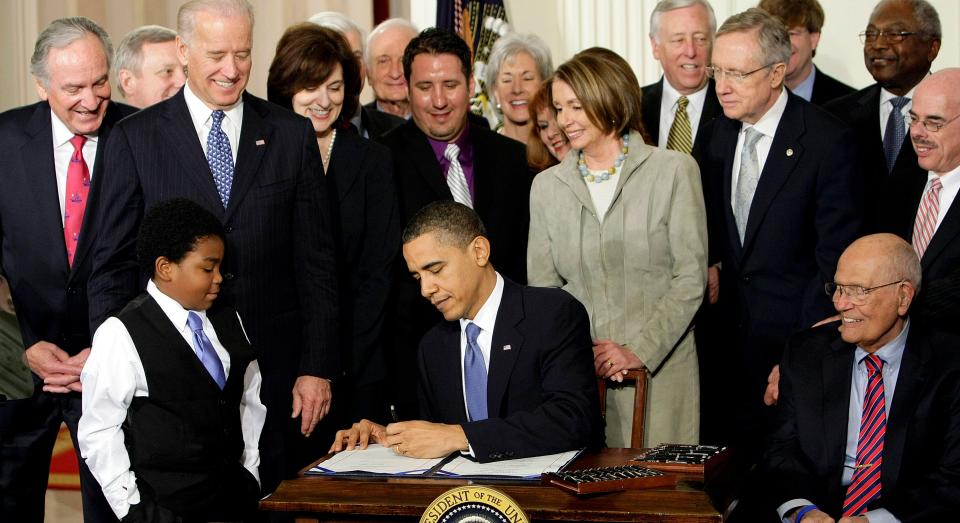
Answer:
(471, 504)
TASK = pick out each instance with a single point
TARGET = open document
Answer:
(376, 459)
(523, 468)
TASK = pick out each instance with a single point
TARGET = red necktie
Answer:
(926, 223)
(75, 198)
(865, 484)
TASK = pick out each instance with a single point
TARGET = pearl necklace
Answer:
(326, 159)
(605, 175)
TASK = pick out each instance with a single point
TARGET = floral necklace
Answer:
(605, 175)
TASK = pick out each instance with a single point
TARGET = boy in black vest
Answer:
(171, 390)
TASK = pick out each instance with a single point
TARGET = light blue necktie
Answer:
(895, 132)
(475, 376)
(205, 351)
(220, 158)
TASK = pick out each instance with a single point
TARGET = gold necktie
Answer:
(680, 137)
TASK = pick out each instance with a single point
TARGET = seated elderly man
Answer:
(869, 423)
(509, 374)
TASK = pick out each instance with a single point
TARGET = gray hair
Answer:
(382, 27)
(905, 264)
(129, 54)
(928, 21)
(510, 45)
(669, 5)
(774, 39)
(186, 16)
(61, 33)
(339, 23)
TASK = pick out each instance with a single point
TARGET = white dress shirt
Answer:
(63, 151)
(892, 355)
(200, 114)
(767, 126)
(951, 184)
(886, 108)
(113, 375)
(668, 109)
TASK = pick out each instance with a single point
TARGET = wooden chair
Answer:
(641, 379)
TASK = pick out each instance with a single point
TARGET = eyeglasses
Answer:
(932, 126)
(855, 293)
(719, 74)
(894, 37)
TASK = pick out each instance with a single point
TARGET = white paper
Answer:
(509, 468)
(375, 459)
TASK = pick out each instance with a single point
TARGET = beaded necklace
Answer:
(605, 175)
(326, 159)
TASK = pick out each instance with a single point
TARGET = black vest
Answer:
(184, 439)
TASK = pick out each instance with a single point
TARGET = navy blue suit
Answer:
(279, 267)
(541, 389)
(50, 296)
(802, 217)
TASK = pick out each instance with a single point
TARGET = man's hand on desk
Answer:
(422, 439)
(361, 433)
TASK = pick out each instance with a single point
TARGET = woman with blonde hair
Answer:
(621, 226)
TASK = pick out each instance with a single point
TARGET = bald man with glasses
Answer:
(780, 183)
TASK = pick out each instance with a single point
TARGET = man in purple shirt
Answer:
(440, 155)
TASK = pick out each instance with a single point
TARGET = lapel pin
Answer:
(261, 142)
(507, 347)
(789, 152)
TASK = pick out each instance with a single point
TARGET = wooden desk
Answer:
(329, 499)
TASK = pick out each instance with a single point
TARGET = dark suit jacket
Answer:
(279, 264)
(827, 88)
(541, 389)
(801, 219)
(650, 109)
(49, 294)
(861, 111)
(376, 122)
(939, 300)
(921, 449)
(364, 201)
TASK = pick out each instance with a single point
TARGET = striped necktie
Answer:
(926, 223)
(680, 137)
(456, 179)
(865, 484)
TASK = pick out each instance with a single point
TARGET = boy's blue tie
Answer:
(205, 351)
(475, 376)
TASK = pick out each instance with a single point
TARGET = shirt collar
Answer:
(891, 353)
(486, 317)
(886, 96)
(462, 142)
(805, 89)
(200, 113)
(947, 180)
(61, 134)
(672, 96)
(171, 307)
(767, 124)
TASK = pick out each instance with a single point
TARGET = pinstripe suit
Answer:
(279, 269)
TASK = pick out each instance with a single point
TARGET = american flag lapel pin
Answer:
(261, 142)
(507, 347)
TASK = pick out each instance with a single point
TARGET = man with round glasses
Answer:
(778, 175)
(900, 42)
(846, 447)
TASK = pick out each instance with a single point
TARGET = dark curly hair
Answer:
(171, 229)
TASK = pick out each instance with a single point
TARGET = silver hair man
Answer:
(61, 33)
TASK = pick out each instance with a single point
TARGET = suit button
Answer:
(228, 229)
(746, 279)
(228, 276)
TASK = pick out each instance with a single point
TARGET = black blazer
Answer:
(827, 88)
(279, 267)
(541, 389)
(861, 111)
(49, 294)
(377, 123)
(921, 449)
(650, 109)
(801, 219)
(367, 232)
